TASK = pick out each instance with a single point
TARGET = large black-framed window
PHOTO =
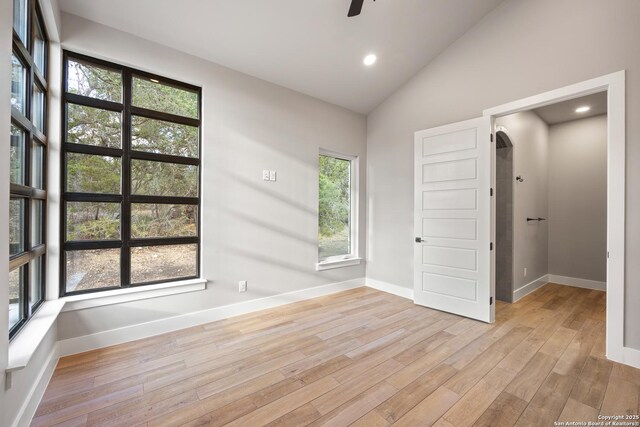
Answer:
(28, 158)
(130, 177)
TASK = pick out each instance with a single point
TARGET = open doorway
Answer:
(611, 86)
(551, 197)
(455, 208)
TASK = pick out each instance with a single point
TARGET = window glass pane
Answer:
(163, 179)
(18, 85)
(39, 48)
(167, 99)
(161, 137)
(93, 174)
(152, 263)
(92, 126)
(93, 221)
(163, 220)
(20, 19)
(36, 277)
(16, 281)
(17, 155)
(37, 171)
(94, 81)
(16, 226)
(334, 237)
(92, 269)
(38, 108)
(37, 222)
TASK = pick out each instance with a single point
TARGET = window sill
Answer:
(117, 296)
(26, 342)
(328, 265)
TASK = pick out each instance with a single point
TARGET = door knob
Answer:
(419, 240)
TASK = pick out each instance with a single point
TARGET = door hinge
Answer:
(491, 136)
(491, 246)
(491, 191)
(490, 300)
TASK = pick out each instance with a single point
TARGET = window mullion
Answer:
(28, 178)
(125, 218)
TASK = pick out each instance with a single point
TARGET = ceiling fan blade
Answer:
(356, 8)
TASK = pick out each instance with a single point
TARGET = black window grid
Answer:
(126, 154)
(27, 191)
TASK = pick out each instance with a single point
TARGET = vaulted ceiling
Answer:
(306, 45)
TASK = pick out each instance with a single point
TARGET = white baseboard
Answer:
(631, 357)
(578, 283)
(400, 291)
(530, 287)
(30, 405)
(170, 324)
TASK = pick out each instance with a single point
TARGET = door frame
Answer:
(614, 85)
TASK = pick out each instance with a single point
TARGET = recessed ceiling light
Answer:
(582, 109)
(369, 60)
(155, 80)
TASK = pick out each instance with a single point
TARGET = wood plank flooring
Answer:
(362, 358)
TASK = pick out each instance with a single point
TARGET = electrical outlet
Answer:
(266, 175)
(525, 272)
(242, 286)
(272, 175)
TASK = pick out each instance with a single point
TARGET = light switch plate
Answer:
(266, 175)
(272, 175)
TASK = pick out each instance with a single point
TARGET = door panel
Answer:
(454, 228)
(450, 199)
(453, 208)
(465, 259)
(449, 171)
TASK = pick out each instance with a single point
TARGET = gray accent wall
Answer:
(578, 199)
(530, 138)
(504, 224)
(522, 48)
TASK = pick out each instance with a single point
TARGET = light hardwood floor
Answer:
(362, 358)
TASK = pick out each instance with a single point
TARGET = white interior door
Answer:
(453, 261)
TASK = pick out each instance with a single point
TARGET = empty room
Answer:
(304, 213)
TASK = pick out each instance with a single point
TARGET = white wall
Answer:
(530, 138)
(263, 232)
(578, 199)
(26, 381)
(522, 48)
(6, 412)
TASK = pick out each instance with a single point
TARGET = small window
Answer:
(18, 85)
(131, 185)
(337, 230)
(150, 93)
(39, 47)
(21, 19)
(93, 81)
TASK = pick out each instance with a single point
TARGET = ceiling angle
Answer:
(356, 8)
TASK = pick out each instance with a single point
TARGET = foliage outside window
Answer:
(131, 177)
(27, 162)
(336, 231)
